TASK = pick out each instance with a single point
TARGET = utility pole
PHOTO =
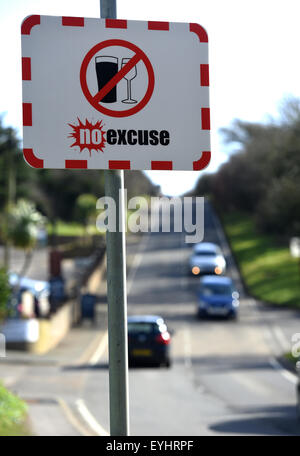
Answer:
(116, 291)
(10, 188)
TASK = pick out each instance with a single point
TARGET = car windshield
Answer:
(140, 327)
(205, 253)
(216, 289)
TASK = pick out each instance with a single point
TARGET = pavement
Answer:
(48, 413)
(39, 266)
(225, 378)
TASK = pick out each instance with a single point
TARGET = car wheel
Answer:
(168, 363)
(298, 402)
(200, 315)
(298, 410)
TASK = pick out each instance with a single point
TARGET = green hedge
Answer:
(12, 414)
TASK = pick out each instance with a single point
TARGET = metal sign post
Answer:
(116, 292)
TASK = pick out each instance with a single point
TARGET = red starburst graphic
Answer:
(88, 136)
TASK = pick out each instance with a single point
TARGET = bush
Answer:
(12, 414)
(5, 292)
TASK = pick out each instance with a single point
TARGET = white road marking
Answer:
(268, 336)
(90, 419)
(252, 303)
(282, 340)
(72, 418)
(251, 383)
(183, 279)
(136, 261)
(277, 332)
(95, 358)
(284, 372)
(187, 347)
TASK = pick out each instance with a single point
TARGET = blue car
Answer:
(217, 297)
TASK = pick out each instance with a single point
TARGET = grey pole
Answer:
(116, 292)
(108, 9)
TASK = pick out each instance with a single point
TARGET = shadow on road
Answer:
(228, 363)
(274, 421)
(102, 366)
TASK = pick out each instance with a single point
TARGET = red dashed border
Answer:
(200, 32)
(27, 114)
(204, 75)
(116, 23)
(119, 164)
(28, 23)
(203, 162)
(26, 69)
(152, 25)
(32, 159)
(76, 164)
(205, 118)
(162, 165)
(72, 21)
(36, 162)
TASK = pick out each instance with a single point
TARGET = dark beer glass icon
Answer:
(106, 68)
(129, 76)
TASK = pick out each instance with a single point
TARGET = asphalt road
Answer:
(224, 380)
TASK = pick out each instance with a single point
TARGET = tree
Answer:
(5, 292)
(20, 229)
(86, 209)
(262, 174)
(279, 211)
(69, 185)
(9, 145)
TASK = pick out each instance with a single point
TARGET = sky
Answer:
(254, 56)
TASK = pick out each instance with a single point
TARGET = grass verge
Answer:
(71, 229)
(268, 270)
(13, 413)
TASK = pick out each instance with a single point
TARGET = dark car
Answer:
(217, 297)
(298, 392)
(148, 341)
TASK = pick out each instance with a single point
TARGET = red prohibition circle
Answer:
(90, 97)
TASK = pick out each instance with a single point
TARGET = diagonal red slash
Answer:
(116, 78)
(140, 55)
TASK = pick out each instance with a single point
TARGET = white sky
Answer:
(254, 57)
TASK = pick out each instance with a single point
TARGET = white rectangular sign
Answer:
(115, 94)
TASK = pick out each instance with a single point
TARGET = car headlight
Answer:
(221, 262)
(202, 304)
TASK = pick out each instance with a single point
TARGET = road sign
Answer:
(115, 94)
(295, 247)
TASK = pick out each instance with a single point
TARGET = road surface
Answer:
(225, 379)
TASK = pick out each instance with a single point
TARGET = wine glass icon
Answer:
(129, 76)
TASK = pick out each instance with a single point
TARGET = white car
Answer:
(207, 258)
